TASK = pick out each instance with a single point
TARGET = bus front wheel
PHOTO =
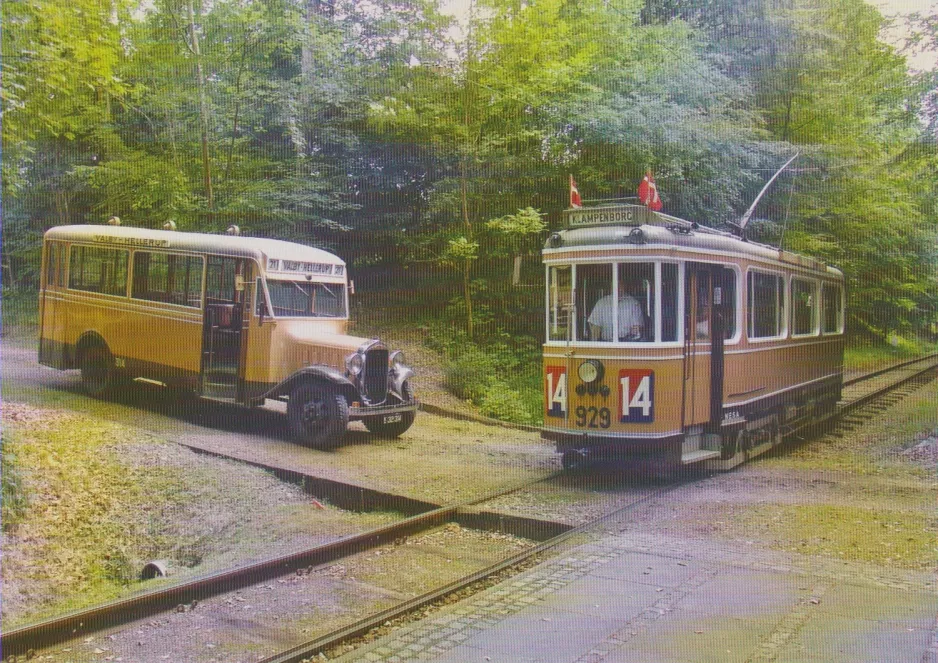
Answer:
(318, 415)
(98, 374)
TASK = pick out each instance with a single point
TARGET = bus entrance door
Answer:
(222, 328)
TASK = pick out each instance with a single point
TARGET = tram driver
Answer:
(631, 318)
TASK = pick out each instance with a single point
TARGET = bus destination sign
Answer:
(612, 215)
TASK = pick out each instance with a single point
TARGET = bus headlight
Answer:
(397, 359)
(354, 363)
(590, 371)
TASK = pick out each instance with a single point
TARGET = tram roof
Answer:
(635, 226)
(258, 248)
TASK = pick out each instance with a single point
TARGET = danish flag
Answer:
(574, 194)
(648, 192)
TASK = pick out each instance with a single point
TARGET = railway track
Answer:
(862, 397)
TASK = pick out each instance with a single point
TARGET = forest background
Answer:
(433, 154)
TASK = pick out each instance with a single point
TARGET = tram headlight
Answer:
(397, 359)
(590, 371)
(354, 363)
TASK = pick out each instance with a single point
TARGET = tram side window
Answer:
(766, 305)
(559, 303)
(832, 299)
(169, 278)
(98, 269)
(804, 307)
(669, 307)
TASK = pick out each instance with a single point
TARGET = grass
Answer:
(863, 356)
(98, 500)
(858, 498)
(876, 535)
(20, 314)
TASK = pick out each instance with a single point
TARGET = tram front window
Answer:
(560, 303)
(610, 315)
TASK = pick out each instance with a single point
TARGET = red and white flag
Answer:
(648, 193)
(574, 194)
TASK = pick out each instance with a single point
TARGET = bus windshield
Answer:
(302, 299)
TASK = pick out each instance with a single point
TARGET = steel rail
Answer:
(883, 371)
(82, 622)
(313, 647)
(89, 620)
(873, 395)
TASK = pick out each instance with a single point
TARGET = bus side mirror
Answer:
(351, 287)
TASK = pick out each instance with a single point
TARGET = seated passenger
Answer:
(631, 319)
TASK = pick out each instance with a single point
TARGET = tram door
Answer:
(709, 291)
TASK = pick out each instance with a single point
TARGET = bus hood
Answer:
(327, 336)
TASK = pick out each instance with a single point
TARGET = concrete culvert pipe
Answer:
(156, 569)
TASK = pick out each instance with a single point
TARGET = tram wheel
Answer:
(318, 415)
(379, 427)
(98, 374)
(572, 460)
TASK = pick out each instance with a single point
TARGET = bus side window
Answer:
(54, 265)
(168, 278)
(96, 269)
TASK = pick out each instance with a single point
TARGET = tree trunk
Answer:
(203, 107)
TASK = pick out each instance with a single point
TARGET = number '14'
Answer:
(637, 393)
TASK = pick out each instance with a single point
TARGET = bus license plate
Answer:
(393, 418)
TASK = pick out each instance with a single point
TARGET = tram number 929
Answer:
(593, 417)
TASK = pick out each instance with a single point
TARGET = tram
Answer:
(675, 344)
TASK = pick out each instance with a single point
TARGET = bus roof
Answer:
(259, 248)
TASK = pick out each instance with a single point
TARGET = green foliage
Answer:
(14, 498)
(470, 374)
(379, 132)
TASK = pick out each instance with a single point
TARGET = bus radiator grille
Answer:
(375, 383)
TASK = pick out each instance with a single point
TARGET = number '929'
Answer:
(593, 417)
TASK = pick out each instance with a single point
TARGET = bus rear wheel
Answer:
(318, 415)
(98, 374)
(382, 427)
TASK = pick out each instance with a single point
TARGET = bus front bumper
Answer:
(367, 411)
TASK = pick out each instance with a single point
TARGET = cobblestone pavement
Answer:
(638, 597)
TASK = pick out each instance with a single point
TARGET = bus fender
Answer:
(327, 374)
(397, 380)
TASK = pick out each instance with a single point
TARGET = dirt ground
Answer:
(865, 496)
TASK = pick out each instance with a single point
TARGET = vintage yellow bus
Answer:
(229, 318)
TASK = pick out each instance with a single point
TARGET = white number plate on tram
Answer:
(392, 418)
